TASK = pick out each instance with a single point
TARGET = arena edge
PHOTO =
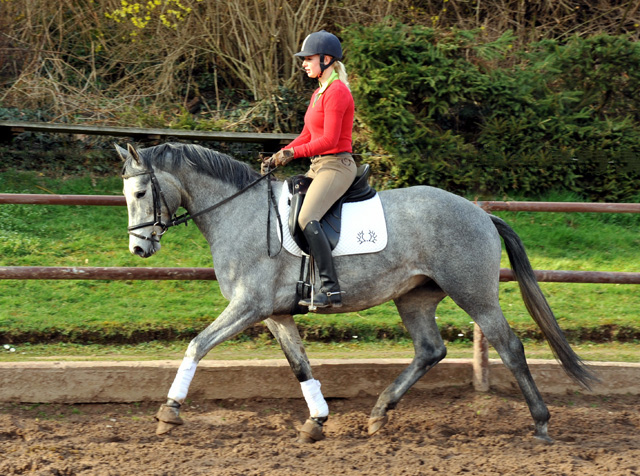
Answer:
(118, 382)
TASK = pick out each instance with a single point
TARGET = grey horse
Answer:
(439, 245)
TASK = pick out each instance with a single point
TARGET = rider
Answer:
(326, 139)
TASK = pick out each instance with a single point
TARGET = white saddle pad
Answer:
(363, 227)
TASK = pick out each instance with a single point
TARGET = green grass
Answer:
(262, 349)
(139, 311)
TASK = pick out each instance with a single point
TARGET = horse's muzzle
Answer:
(139, 251)
(144, 249)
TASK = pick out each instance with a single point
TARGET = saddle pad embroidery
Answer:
(364, 228)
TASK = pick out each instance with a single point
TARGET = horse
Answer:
(439, 244)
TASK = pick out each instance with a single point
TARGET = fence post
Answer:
(480, 360)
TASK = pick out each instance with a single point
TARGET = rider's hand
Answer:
(282, 157)
(266, 165)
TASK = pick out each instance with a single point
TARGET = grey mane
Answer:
(172, 156)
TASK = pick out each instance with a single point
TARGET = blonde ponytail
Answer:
(342, 73)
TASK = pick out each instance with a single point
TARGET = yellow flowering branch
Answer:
(169, 12)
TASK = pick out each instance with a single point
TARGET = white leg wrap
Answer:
(180, 387)
(315, 401)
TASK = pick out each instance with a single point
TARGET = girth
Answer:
(359, 190)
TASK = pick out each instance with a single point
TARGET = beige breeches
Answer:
(332, 175)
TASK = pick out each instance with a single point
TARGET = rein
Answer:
(185, 217)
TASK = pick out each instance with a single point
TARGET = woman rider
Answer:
(326, 139)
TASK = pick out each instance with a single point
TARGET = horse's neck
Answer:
(202, 191)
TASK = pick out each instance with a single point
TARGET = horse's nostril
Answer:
(137, 250)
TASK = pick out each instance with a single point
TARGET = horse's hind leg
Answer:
(497, 331)
(417, 309)
(286, 333)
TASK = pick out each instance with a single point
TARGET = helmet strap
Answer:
(323, 66)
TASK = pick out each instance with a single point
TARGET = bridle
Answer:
(159, 199)
(157, 209)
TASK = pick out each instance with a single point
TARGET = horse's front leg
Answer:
(237, 317)
(286, 333)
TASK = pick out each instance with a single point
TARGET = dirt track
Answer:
(452, 431)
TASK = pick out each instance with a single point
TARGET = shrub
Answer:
(476, 117)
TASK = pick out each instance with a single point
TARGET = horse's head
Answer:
(152, 198)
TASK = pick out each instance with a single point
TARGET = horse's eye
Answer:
(140, 195)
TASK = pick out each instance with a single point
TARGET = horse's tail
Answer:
(538, 306)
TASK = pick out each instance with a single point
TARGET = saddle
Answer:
(359, 190)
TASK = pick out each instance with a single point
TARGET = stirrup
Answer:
(322, 299)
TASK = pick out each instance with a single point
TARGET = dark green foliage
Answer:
(477, 118)
(80, 154)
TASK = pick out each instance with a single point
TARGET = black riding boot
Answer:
(320, 249)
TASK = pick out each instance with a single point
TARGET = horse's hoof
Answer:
(310, 432)
(544, 439)
(163, 428)
(541, 434)
(168, 418)
(375, 423)
(304, 439)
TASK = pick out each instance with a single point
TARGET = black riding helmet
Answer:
(321, 43)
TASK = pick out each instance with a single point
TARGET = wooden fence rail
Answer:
(209, 274)
(489, 206)
(270, 140)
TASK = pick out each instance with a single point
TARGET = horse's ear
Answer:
(133, 153)
(124, 155)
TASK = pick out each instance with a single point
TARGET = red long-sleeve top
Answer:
(328, 123)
